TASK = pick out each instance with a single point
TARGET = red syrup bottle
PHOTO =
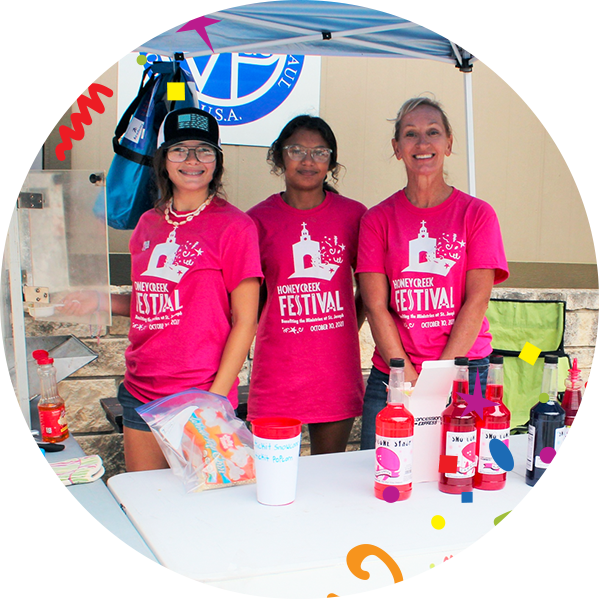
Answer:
(494, 425)
(577, 421)
(394, 428)
(459, 435)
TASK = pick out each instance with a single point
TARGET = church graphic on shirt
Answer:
(422, 255)
(308, 259)
(162, 263)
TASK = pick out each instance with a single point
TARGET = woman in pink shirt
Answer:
(307, 357)
(195, 271)
(428, 258)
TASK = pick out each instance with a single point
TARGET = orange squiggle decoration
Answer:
(356, 556)
(81, 118)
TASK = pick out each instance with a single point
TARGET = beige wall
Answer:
(519, 169)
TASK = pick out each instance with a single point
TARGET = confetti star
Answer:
(462, 243)
(199, 25)
(476, 402)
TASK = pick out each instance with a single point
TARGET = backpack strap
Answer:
(145, 88)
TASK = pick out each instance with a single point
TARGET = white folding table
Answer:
(82, 547)
(227, 539)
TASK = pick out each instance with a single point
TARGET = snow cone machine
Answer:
(54, 242)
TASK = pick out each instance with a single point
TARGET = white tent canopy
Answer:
(459, 32)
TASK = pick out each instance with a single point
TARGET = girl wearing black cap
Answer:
(307, 357)
(195, 283)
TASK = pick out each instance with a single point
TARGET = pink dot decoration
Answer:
(109, 12)
(391, 494)
(547, 454)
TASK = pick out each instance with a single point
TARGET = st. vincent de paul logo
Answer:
(240, 88)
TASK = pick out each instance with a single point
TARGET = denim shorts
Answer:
(131, 418)
(376, 397)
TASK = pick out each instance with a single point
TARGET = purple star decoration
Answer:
(198, 22)
(476, 402)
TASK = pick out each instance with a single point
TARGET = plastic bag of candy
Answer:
(205, 444)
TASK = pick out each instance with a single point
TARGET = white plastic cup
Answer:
(276, 452)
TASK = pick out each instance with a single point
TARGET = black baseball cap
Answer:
(188, 124)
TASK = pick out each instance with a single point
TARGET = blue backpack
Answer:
(130, 185)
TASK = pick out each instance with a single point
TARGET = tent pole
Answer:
(470, 133)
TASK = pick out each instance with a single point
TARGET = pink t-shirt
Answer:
(180, 302)
(425, 254)
(307, 357)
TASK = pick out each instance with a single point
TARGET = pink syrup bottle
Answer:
(494, 425)
(394, 428)
(459, 435)
(577, 421)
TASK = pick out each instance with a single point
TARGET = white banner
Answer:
(252, 96)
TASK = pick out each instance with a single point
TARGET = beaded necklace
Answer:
(187, 217)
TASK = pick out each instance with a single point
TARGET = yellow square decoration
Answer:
(8, 157)
(175, 90)
(529, 353)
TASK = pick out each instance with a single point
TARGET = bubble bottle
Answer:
(577, 421)
(546, 423)
(494, 425)
(394, 428)
(459, 435)
(51, 407)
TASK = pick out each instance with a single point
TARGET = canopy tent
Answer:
(458, 32)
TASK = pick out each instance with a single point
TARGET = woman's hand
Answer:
(410, 373)
(80, 303)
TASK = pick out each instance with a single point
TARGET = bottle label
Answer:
(559, 443)
(462, 444)
(530, 447)
(486, 464)
(53, 422)
(575, 455)
(393, 460)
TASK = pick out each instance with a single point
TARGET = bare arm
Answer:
(479, 283)
(87, 302)
(120, 304)
(244, 309)
(359, 305)
(375, 293)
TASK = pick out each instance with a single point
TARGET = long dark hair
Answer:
(309, 123)
(165, 185)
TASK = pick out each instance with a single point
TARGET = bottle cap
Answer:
(32, 457)
(496, 359)
(396, 362)
(37, 354)
(551, 359)
(45, 360)
(461, 361)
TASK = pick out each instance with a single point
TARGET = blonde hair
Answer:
(413, 103)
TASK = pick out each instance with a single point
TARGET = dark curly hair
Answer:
(165, 185)
(309, 123)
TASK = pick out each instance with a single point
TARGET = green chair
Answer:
(512, 324)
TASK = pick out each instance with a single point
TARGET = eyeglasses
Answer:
(203, 154)
(298, 153)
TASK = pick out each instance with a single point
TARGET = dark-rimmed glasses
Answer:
(203, 154)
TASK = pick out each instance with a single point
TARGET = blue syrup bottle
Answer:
(546, 430)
